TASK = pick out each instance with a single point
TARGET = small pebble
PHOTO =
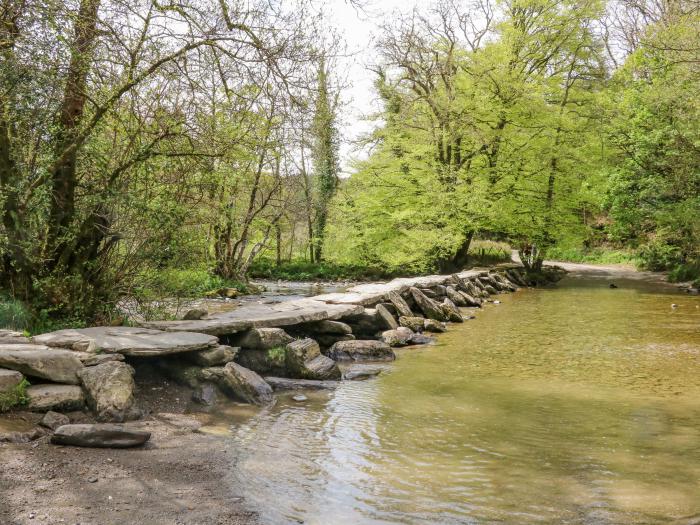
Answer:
(92, 479)
(497, 302)
(300, 397)
(674, 305)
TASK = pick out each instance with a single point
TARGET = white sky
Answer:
(358, 28)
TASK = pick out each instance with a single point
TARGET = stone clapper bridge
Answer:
(244, 354)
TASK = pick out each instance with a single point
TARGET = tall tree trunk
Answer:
(64, 176)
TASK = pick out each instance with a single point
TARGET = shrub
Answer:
(15, 397)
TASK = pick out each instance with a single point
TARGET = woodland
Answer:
(153, 148)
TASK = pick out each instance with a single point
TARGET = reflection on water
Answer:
(574, 405)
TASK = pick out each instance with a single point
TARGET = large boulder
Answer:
(327, 327)
(9, 380)
(400, 304)
(367, 322)
(216, 356)
(14, 340)
(454, 296)
(328, 340)
(110, 391)
(399, 337)
(430, 308)
(61, 398)
(89, 359)
(128, 340)
(304, 361)
(415, 324)
(263, 338)
(361, 351)
(470, 300)
(240, 382)
(451, 311)
(59, 366)
(100, 436)
(431, 325)
(268, 362)
(387, 318)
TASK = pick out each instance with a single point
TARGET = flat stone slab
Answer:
(286, 313)
(127, 340)
(372, 293)
(42, 398)
(99, 436)
(283, 383)
(60, 366)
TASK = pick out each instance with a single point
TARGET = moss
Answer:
(277, 356)
(16, 397)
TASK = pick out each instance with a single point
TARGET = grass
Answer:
(300, 270)
(593, 255)
(190, 282)
(686, 272)
(15, 397)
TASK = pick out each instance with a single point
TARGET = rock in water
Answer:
(240, 382)
(99, 436)
(386, 317)
(360, 374)
(304, 360)
(412, 323)
(110, 391)
(454, 296)
(400, 304)
(431, 325)
(284, 383)
(53, 420)
(431, 309)
(216, 356)
(59, 366)
(399, 337)
(263, 338)
(452, 312)
(361, 351)
(42, 398)
(300, 397)
(420, 339)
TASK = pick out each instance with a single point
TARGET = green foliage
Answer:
(300, 270)
(14, 398)
(189, 283)
(686, 272)
(277, 356)
(14, 314)
(596, 255)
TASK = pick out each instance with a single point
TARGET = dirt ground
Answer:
(179, 478)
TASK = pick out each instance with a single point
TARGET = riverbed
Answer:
(575, 404)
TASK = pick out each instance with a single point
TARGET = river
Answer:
(577, 404)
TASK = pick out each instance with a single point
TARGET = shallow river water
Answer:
(579, 404)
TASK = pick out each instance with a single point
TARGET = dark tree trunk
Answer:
(64, 176)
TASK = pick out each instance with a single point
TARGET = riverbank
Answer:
(64, 485)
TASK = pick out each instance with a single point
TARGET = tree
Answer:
(325, 147)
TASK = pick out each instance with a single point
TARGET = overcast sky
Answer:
(358, 27)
